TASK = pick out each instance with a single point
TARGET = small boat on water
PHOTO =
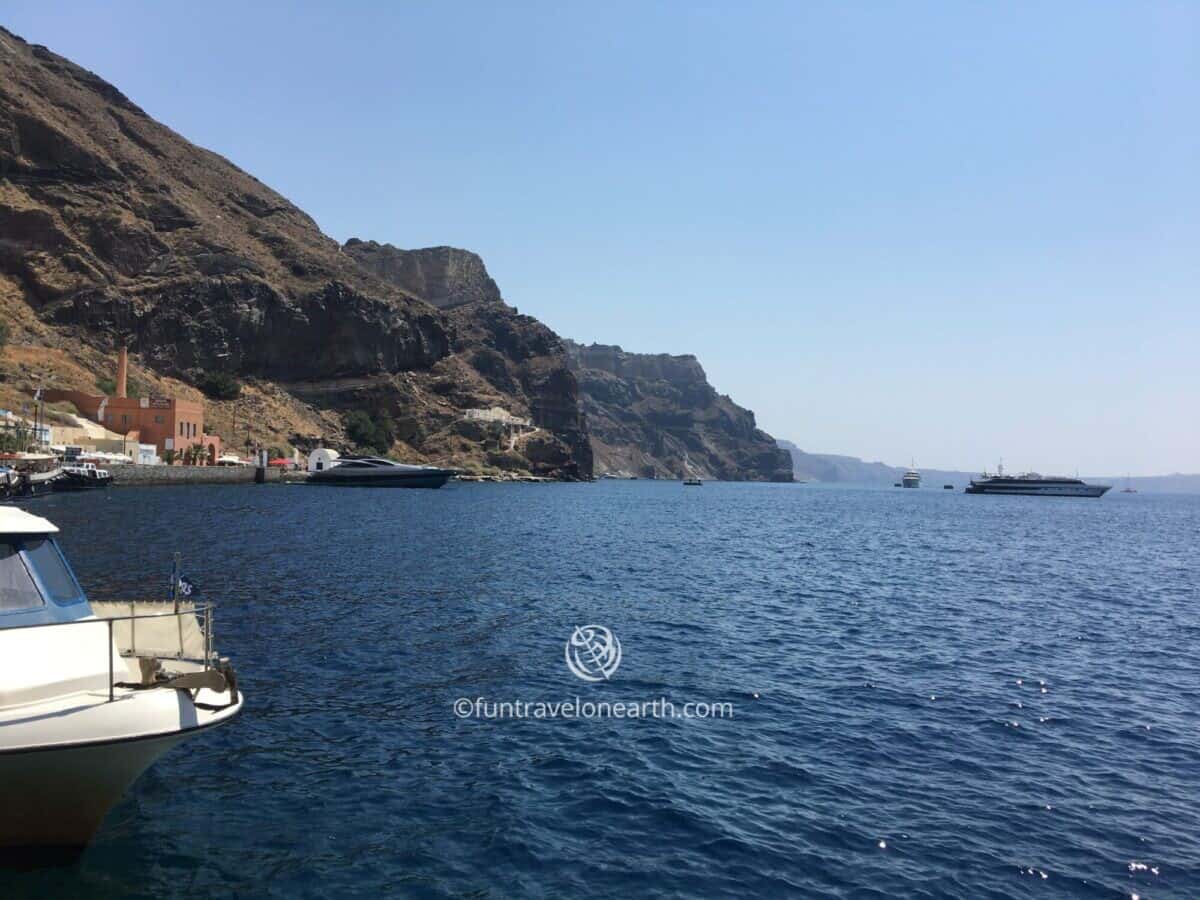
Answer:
(83, 477)
(40, 483)
(29, 474)
(10, 482)
(911, 478)
(692, 482)
(91, 694)
(329, 467)
(1129, 488)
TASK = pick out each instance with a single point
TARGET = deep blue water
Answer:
(956, 696)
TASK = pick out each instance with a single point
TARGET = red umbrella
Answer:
(280, 462)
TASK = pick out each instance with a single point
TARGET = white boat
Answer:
(1034, 485)
(90, 693)
(911, 478)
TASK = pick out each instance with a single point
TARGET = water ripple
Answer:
(936, 695)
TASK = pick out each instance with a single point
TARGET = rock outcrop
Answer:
(515, 357)
(445, 277)
(656, 416)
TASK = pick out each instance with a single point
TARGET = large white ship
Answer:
(1033, 484)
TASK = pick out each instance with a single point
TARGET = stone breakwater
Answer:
(142, 475)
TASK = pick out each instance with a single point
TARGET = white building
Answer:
(322, 458)
(496, 414)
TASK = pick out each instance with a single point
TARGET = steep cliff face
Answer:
(115, 229)
(515, 357)
(115, 226)
(655, 415)
(445, 277)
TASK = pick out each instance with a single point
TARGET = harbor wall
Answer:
(143, 475)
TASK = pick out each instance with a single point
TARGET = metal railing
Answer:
(205, 624)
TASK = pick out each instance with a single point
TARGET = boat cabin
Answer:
(36, 584)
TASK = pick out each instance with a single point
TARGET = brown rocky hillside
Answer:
(656, 416)
(114, 228)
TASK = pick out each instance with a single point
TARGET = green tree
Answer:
(369, 432)
(16, 439)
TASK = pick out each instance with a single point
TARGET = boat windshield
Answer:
(52, 571)
(17, 590)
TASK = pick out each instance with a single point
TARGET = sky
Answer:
(938, 232)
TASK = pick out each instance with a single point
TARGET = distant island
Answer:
(834, 468)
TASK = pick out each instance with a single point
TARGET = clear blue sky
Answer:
(946, 232)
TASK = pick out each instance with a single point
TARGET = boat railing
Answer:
(151, 630)
(165, 629)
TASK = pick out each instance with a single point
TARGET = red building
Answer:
(167, 422)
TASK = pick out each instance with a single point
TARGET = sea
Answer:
(820, 691)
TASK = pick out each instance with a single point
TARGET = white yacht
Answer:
(90, 693)
(912, 478)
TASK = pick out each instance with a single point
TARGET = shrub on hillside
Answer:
(108, 386)
(376, 433)
(219, 386)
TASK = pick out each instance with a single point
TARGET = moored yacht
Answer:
(911, 479)
(82, 477)
(34, 474)
(90, 693)
(327, 466)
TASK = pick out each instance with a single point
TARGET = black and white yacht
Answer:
(1033, 484)
(82, 477)
(329, 467)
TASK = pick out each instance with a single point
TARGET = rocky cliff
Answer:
(522, 362)
(115, 229)
(655, 415)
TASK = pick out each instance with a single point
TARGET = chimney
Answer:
(122, 370)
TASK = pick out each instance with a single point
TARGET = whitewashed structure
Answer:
(496, 414)
(322, 458)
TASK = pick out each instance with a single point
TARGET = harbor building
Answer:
(169, 423)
